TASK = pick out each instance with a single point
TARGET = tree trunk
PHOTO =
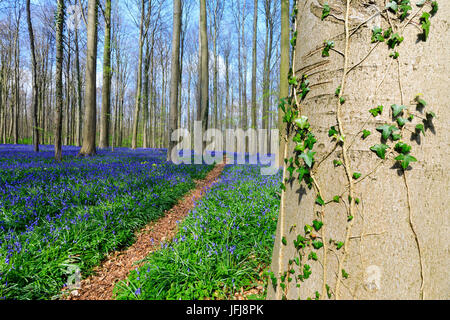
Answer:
(34, 89)
(59, 82)
(175, 76)
(385, 235)
(90, 125)
(254, 61)
(284, 70)
(204, 83)
(139, 81)
(106, 91)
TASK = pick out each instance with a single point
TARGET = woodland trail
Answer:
(118, 264)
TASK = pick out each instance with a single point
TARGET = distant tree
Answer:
(284, 69)
(175, 75)
(60, 11)
(34, 94)
(137, 105)
(204, 82)
(106, 91)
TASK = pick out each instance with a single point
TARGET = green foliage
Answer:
(376, 111)
(366, 133)
(326, 50)
(397, 110)
(386, 130)
(325, 11)
(425, 24)
(405, 160)
(380, 150)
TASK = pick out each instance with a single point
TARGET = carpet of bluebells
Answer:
(223, 246)
(57, 216)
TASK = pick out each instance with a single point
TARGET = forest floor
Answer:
(117, 266)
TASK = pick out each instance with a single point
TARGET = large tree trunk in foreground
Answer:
(90, 125)
(396, 244)
(175, 75)
(106, 92)
(59, 83)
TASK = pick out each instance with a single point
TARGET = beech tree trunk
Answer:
(59, 82)
(139, 81)
(106, 91)
(204, 83)
(284, 70)
(34, 94)
(175, 75)
(395, 244)
(90, 125)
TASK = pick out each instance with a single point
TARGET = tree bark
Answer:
(90, 125)
(34, 89)
(106, 91)
(175, 76)
(59, 82)
(284, 70)
(394, 245)
(139, 80)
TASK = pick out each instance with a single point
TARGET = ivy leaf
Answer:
(421, 3)
(405, 159)
(284, 241)
(404, 8)
(317, 225)
(380, 150)
(392, 6)
(395, 40)
(341, 100)
(386, 130)
(332, 132)
(302, 171)
(302, 122)
(308, 158)
(320, 201)
(425, 24)
(420, 127)
(397, 110)
(430, 114)
(344, 274)
(396, 136)
(308, 228)
(326, 50)
(401, 121)
(356, 175)
(366, 133)
(339, 245)
(310, 141)
(312, 256)
(377, 34)
(394, 55)
(338, 91)
(434, 8)
(325, 11)
(403, 148)
(317, 244)
(336, 199)
(337, 163)
(376, 111)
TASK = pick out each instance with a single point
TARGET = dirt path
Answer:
(117, 265)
